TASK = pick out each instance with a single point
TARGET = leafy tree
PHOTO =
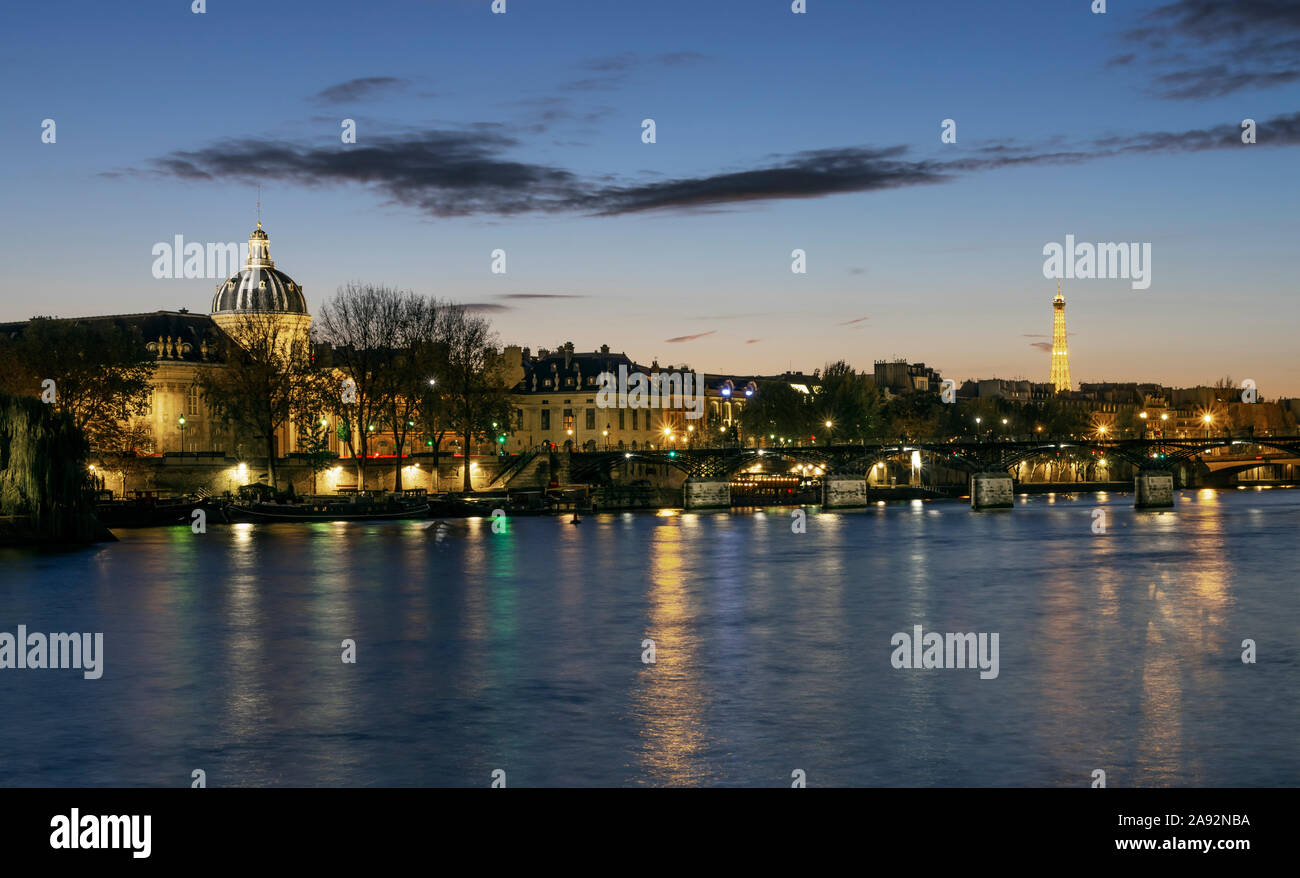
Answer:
(915, 414)
(849, 401)
(313, 404)
(123, 449)
(777, 409)
(101, 371)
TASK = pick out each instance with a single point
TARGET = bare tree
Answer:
(266, 371)
(412, 357)
(476, 385)
(358, 325)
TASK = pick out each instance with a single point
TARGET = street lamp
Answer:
(1208, 419)
(181, 422)
(606, 434)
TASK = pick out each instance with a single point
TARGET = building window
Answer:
(519, 419)
(591, 419)
(546, 419)
(568, 420)
(622, 423)
(634, 412)
(192, 400)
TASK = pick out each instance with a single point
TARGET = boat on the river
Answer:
(357, 507)
(147, 510)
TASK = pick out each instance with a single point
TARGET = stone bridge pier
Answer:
(991, 490)
(841, 492)
(706, 494)
(1153, 490)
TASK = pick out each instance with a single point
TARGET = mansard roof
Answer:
(182, 334)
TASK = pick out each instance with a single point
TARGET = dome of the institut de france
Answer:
(259, 288)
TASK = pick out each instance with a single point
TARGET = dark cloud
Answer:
(463, 173)
(1041, 345)
(485, 308)
(681, 338)
(752, 340)
(611, 63)
(856, 320)
(805, 175)
(442, 173)
(356, 89)
(677, 59)
(1218, 47)
(614, 71)
(541, 296)
(857, 271)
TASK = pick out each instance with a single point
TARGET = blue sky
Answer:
(775, 131)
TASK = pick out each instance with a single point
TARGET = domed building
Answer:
(260, 288)
(185, 345)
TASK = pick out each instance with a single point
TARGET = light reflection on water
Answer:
(522, 650)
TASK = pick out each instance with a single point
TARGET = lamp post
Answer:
(607, 437)
(181, 426)
(1207, 419)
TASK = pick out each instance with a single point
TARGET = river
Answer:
(523, 651)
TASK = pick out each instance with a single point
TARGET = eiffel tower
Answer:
(1060, 353)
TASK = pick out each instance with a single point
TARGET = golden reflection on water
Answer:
(247, 705)
(669, 703)
(1185, 610)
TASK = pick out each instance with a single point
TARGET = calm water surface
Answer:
(522, 651)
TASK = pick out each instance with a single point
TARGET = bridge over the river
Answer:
(988, 466)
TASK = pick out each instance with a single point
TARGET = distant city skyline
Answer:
(523, 133)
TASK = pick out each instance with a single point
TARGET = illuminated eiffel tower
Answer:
(1060, 353)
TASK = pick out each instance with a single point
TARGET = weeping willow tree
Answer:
(43, 476)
